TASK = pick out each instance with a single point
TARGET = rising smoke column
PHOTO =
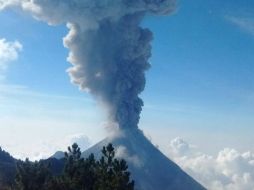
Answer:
(109, 51)
(110, 63)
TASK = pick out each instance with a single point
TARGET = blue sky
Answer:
(200, 86)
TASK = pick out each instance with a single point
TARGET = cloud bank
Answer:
(229, 170)
(45, 149)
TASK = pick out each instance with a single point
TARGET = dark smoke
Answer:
(109, 50)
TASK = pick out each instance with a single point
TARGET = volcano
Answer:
(150, 169)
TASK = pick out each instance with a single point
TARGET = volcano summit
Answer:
(150, 169)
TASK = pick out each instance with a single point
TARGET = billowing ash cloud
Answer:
(109, 50)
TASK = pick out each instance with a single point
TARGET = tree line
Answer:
(106, 173)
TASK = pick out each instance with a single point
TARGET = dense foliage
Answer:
(107, 173)
(7, 169)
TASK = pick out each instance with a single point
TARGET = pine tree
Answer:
(32, 175)
(112, 173)
(108, 173)
(79, 173)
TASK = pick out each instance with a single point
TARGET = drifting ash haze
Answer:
(109, 53)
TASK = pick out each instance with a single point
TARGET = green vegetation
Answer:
(107, 173)
(7, 169)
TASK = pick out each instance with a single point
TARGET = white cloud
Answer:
(9, 51)
(6, 3)
(229, 170)
(245, 23)
(122, 152)
(45, 149)
(179, 146)
(82, 140)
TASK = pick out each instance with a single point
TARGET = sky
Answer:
(200, 87)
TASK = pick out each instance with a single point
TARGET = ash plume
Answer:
(109, 50)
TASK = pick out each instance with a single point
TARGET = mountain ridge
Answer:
(149, 167)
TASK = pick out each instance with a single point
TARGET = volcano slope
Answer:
(150, 169)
